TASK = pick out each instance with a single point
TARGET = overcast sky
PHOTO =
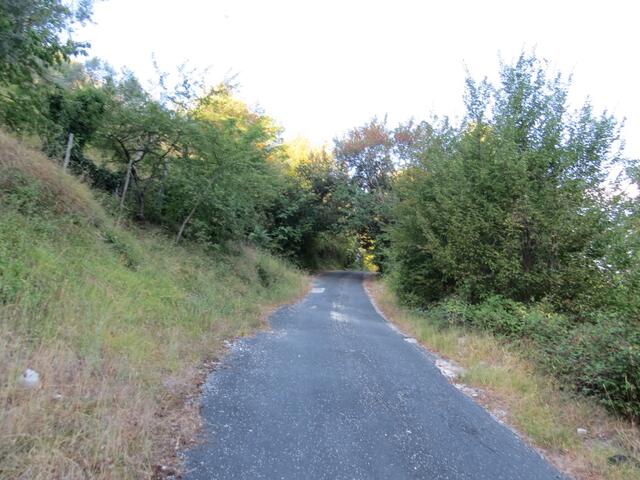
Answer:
(321, 67)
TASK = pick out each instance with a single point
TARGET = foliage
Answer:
(307, 222)
(30, 43)
(514, 203)
(601, 359)
(365, 154)
(505, 224)
(598, 358)
(80, 111)
(30, 36)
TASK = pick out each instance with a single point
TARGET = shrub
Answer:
(602, 359)
(501, 316)
(599, 358)
(452, 311)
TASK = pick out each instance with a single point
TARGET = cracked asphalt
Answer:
(333, 392)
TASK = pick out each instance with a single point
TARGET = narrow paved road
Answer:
(332, 392)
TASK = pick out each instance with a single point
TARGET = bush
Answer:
(452, 311)
(602, 359)
(510, 202)
(599, 358)
(501, 316)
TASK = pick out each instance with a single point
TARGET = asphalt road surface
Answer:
(333, 392)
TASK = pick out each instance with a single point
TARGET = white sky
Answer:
(322, 67)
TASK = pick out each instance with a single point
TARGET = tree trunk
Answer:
(186, 221)
(140, 193)
(141, 215)
(128, 179)
(126, 183)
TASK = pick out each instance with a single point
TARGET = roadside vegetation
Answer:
(507, 380)
(143, 225)
(117, 321)
(509, 222)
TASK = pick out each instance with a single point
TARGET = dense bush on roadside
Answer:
(601, 359)
(598, 358)
(511, 202)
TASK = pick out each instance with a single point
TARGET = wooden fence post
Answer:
(67, 155)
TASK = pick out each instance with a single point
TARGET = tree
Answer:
(308, 220)
(30, 36)
(80, 111)
(31, 43)
(365, 155)
(513, 205)
(140, 134)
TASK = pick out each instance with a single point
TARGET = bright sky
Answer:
(322, 67)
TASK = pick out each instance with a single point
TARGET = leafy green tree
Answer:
(308, 222)
(622, 247)
(31, 43)
(365, 154)
(30, 33)
(515, 204)
(80, 111)
(140, 134)
(203, 167)
(412, 140)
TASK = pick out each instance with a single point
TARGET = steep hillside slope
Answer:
(116, 321)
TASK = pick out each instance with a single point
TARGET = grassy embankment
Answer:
(527, 399)
(117, 321)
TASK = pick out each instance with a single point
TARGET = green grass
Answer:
(117, 321)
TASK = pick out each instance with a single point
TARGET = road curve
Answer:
(332, 392)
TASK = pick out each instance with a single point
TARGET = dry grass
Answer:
(531, 402)
(120, 324)
(22, 168)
